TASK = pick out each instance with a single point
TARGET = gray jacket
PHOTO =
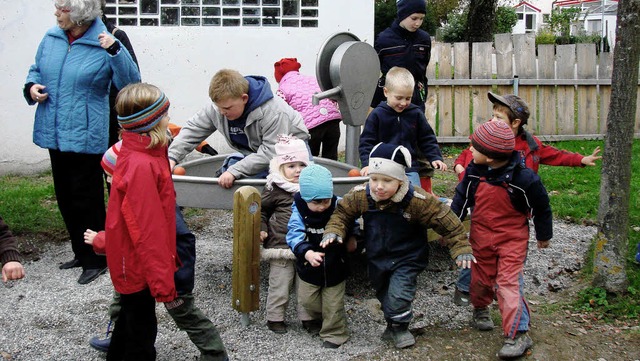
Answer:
(263, 126)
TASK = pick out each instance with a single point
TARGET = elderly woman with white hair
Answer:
(76, 64)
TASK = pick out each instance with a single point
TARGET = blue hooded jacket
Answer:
(78, 78)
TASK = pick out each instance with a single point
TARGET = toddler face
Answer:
(398, 99)
(232, 108)
(319, 205)
(412, 22)
(291, 171)
(382, 186)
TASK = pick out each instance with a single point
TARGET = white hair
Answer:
(82, 11)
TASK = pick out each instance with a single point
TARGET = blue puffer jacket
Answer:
(78, 77)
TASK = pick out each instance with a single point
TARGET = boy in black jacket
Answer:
(503, 195)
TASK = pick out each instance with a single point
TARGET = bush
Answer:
(456, 28)
(545, 36)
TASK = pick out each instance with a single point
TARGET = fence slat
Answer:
(445, 93)
(504, 56)
(462, 94)
(565, 69)
(481, 69)
(524, 49)
(547, 94)
(587, 95)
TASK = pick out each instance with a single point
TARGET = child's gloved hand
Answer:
(464, 260)
(329, 238)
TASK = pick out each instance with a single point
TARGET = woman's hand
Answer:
(105, 40)
(37, 94)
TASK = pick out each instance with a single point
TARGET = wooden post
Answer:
(246, 251)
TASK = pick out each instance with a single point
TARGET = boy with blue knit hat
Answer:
(396, 218)
(321, 272)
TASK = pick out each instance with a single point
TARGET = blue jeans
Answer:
(414, 178)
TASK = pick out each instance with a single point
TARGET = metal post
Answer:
(352, 141)
(516, 84)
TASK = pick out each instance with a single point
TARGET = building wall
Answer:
(180, 60)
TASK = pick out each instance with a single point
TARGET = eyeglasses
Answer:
(62, 9)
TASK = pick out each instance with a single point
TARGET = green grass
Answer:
(574, 195)
(27, 203)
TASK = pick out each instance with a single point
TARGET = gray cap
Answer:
(518, 106)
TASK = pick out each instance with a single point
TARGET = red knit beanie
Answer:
(284, 66)
(494, 139)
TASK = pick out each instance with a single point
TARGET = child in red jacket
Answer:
(140, 228)
(514, 111)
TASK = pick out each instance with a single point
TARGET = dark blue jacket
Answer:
(397, 46)
(525, 189)
(409, 129)
(305, 234)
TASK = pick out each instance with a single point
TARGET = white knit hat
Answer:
(390, 160)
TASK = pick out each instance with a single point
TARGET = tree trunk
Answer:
(613, 215)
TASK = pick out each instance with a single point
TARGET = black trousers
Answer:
(326, 135)
(79, 188)
(134, 334)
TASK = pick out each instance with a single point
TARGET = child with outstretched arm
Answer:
(396, 217)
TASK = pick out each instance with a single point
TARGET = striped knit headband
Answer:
(144, 120)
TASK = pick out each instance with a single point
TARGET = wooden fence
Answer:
(567, 87)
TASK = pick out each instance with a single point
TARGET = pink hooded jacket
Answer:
(297, 89)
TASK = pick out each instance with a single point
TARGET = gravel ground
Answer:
(49, 316)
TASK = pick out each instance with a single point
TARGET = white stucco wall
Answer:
(180, 60)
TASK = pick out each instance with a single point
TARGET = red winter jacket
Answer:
(141, 221)
(533, 152)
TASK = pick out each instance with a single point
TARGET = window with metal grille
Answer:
(250, 13)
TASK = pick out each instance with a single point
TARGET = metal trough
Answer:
(199, 187)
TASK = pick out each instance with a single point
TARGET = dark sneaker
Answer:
(482, 319)
(70, 264)
(312, 326)
(461, 298)
(90, 274)
(386, 335)
(401, 336)
(102, 344)
(277, 326)
(328, 344)
(516, 347)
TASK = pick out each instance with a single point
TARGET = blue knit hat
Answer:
(390, 160)
(315, 183)
(408, 7)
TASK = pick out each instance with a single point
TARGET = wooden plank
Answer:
(524, 49)
(605, 67)
(605, 100)
(246, 250)
(441, 107)
(587, 95)
(481, 69)
(566, 59)
(530, 95)
(462, 107)
(445, 111)
(504, 56)
(547, 94)
(565, 69)
(461, 94)
(497, 82)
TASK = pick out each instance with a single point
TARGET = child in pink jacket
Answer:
(322, 120)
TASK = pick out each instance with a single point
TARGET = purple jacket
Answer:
(297, 89)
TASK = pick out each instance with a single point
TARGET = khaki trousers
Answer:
(326, 304)
(282, 277)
